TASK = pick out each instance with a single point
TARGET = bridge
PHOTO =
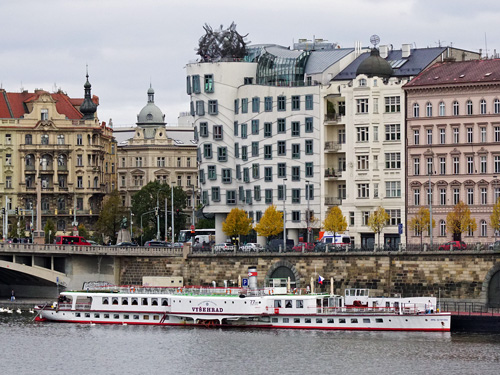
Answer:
(461, 275)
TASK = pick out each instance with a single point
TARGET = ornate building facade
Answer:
(55, 157)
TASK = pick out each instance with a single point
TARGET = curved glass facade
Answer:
(275, 70)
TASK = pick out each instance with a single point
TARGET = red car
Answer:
(308, 246)
(457, 245)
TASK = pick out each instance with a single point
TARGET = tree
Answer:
(459, 221)
(335, 222)
(111, 216)
(82, 231)
(50, 230)
(421, 221)
(237, 222)
(205, 224)
(495, 217)
(271, 223)
(378, 221)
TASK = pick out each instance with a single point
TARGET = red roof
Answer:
(17, 103)
(450, 73)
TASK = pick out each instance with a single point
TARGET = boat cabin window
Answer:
(307, 320)
(124, 301)
(396, 305)
(341, 320)
(277, 303)
(164, 302)
(87, 315)
(136, 317)
(296, 320)
(144, 301)
(379, 320)
(115, 300)
(354, 320)
(347, 292)
(96, 315)
(299, 304)
(319, 320)
(81, 300)
(116, 316)
(154, 301)
(286, 320)
(274, 320)
(387, 304)
(329, 320)
(64, 299)
(125, 316)
(365, 320)
(288, 304)
(135, 301)
(106, 316)
(374, 304)
(145, 317)
(105, 300)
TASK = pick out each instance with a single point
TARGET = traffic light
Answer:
(156, 211)
(3, 211)
(17, 211)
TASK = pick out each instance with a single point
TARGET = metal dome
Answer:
(375, 66)
(151, 114)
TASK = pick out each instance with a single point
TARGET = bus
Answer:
(202, 235)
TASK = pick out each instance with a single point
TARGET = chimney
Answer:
(384, 51)
(406, 50)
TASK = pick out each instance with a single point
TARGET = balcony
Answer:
(333, 146)
(333, 201)
(43, 147)
(331, 173)
(62, 168)
(30, 167)
(333, 118)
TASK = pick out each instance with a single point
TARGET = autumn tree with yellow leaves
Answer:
(271, 223)
(335, 222)
(377, 221)
(421, 222)
(237, 223)
(495, 217)
(459, 221)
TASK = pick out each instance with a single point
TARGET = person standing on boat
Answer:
(12, 296)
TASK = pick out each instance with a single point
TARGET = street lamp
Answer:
(308, 197)
(431, 167)
(172, 210)
(284, 214)
(131, 223)
(157, 210)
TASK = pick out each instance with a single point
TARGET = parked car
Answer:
(156, 243)
(203, 246)
(223, 247)
(457, 245)
(126, 243)
(494, 246)
(252, 246)
(274, 245)
(307, 246)
(93, 243)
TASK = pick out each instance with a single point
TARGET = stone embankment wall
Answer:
(463, 275)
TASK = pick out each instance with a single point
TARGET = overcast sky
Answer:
(129, 43)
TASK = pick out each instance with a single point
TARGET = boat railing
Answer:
(82, 306)
(370, 310)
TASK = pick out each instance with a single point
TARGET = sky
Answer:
(128, 44)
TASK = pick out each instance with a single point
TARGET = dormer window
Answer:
(362, 82)
(149, 117)
(44, 114)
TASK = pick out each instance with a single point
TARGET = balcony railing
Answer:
(333, 146)
(332, 172)
(333, 117)
(333, 201)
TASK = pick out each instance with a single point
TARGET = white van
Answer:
(339, 239)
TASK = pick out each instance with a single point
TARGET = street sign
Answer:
(244, 282)
(192, 227)
(400, 228)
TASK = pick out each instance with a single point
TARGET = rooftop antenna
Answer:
(22, 88)
(374, 39)
(485, 45)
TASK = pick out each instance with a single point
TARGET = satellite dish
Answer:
(374, 39)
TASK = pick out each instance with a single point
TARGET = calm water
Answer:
(51, 348)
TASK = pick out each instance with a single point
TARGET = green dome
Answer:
(375, 66)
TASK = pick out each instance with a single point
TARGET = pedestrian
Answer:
(12, 296)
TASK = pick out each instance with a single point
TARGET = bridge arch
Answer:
(283, 269)
(491, 287)
(42, 273)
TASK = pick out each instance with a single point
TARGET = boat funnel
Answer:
(252, 277)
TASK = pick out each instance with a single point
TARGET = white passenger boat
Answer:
(254, 308)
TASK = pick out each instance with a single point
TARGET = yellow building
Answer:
(56, 157)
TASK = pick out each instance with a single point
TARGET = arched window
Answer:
(456, 108)
(29, 160)
(61, 225)
(482, 106)
(60, 139)
(469, 107)
(96, 182)
(416, 110)
(428, 109)
(442, 228)
(484, 228)
(28, 139)
(45, 204)
(61, 204)
(496, 106)
(442, 111)
(61, 160)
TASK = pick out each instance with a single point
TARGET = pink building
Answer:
(453, 142)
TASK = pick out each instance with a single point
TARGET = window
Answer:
(442, 197)
(341, 136)
(456, 165)
(79, 182)
(394, 217)
(416, 197)
(295, 173)
(375, 105)
(256, 105)
(79, 160)
(244, 133)
(244, 153)
(255, 149)
(362, 134)
(363, 190)
(484, 228)
(188, 85)
(362, 105)
(45, 139)
(212, 172)
(482, 106)
(281, 170)
(482, 131)
(268, 103)
(468, 107)
(268, 174)
(44, 114)
(416, 136)
(281, 148)
(281, 103)
(295, 129)
(470, 135)
(213, 107)
(470, 164)
(209, 83)
(255, 171)
(365, 215)
(281, 192)
(296, 219)
(246, 175)
(416, 110)
(428, 109)
(200, 108)
(217, 129)
(456, 135)
(362, 162)
(255, 127)
(484, 195)
(482, 164)
(160, 161)
(8, 182)
(309, 169)
(295, 195)
(295, 103)
(268, 151)
(207, 151)
(268, 126)
(28, 139)
(496, 106)
(470, 196)
(416, 166)
(204, 129)
(196, 84)
(442, 136)
(393, 160)
(256, 195)
(430, 167)
(442, 165)
(244, 105)
(442, 228)
(226, 176)
(309, 146)
(230, 196)
(429, 196)
(429, 136)
(442, 109)
(392, 104)
(236, 150)
(456, 108)
(268, 196)
(456, 196)
(236, 106)
(60, 139)
(295, 150)
(393, 189)
(281, 125)
(393, 132)
(309, 103)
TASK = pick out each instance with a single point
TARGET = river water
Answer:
(27, 347)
